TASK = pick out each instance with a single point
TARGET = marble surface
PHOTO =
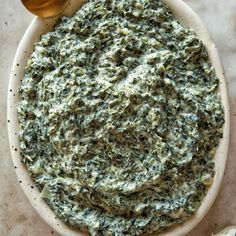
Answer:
(17, 217)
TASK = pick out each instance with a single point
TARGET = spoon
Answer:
(45, 8)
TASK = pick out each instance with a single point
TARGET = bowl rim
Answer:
(38, 26)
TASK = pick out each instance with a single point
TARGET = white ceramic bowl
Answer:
(39, 26)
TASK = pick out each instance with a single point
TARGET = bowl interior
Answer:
(39, 26)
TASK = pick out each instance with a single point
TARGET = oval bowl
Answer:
(39, 26)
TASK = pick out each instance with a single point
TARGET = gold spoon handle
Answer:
(45, 8)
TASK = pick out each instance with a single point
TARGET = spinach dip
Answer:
(120, 117)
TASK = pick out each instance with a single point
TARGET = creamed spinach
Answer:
(120, 117)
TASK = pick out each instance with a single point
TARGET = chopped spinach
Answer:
(120, 116)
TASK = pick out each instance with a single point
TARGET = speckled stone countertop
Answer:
(17, 217)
